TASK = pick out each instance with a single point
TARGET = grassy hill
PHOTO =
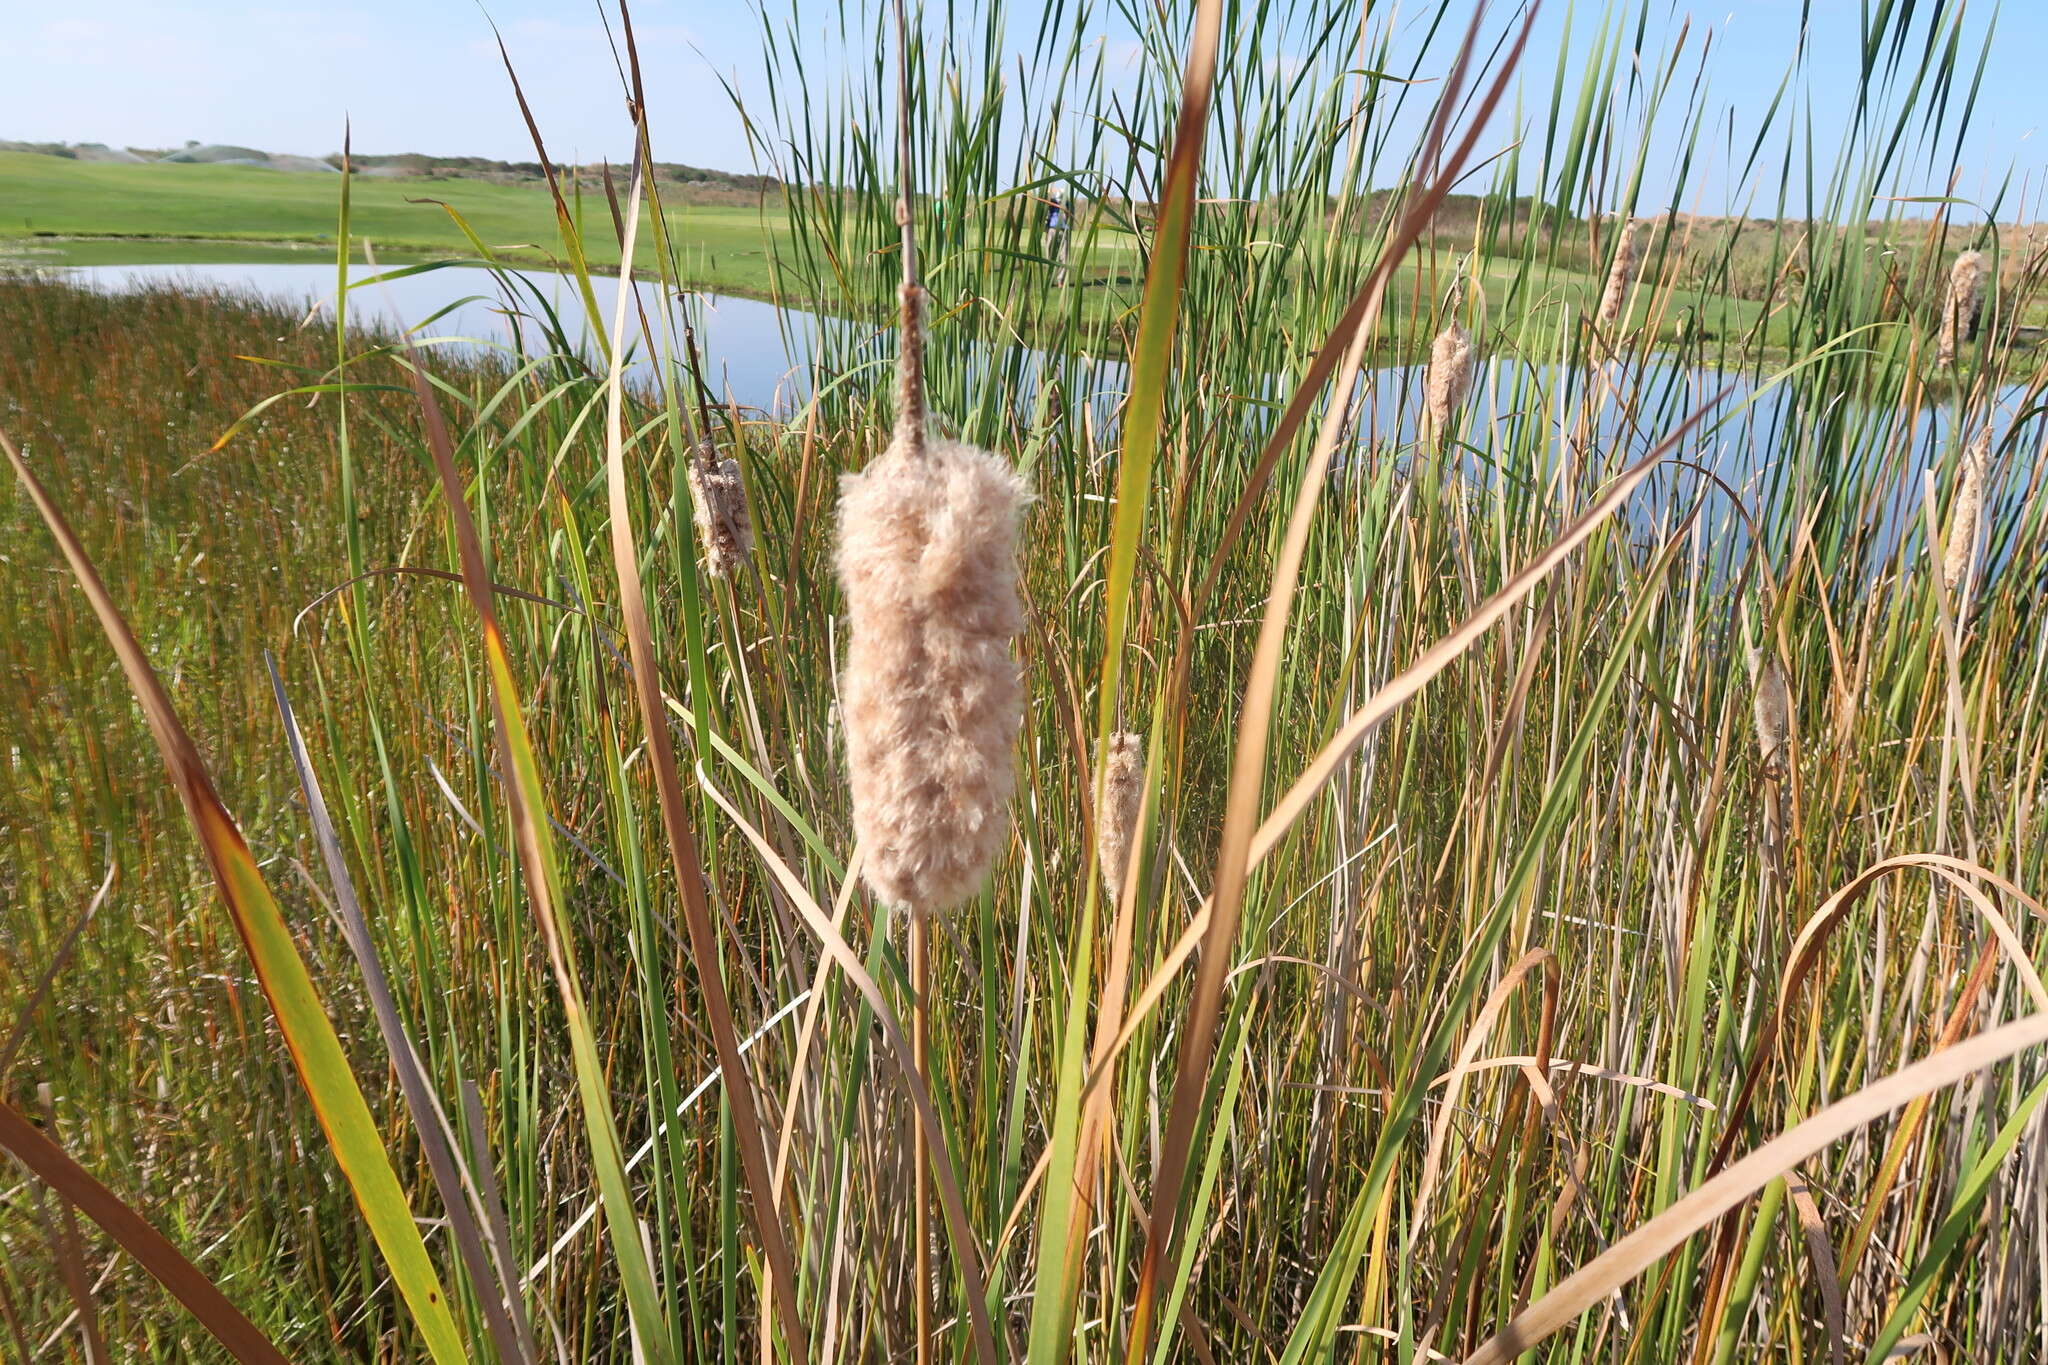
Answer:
(65, 211)
(188, 212)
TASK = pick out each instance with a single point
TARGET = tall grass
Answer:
(1537, 819)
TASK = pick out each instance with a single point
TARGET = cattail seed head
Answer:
(1966, 513)
(1123, 792)
(1772, 709)
(1963, 306)
(931, 694)
(1620, 276)
(718, 497)
(1448, 383)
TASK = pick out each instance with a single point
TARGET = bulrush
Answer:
(1963, 306)
(1123, 792)
(1448, 382)
(1773, 714)
(1621, 276)
(719, 498)
(1966, 514)
(931, 694)
(1773, 710)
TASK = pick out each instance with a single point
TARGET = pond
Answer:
(761, 357)
(747, 343)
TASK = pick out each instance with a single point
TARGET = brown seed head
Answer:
(719, 498)
(1620, 276)
(931, 695)
(1966, 514)
(1773, 709)
(1123, 792)
(1452, 358)
(1963, 306)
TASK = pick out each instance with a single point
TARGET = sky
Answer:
(408, 75)
(424, 75)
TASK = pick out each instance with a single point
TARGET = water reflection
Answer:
(747, 344)
(1570, 427)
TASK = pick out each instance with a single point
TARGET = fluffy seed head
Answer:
(1123, 792)
(719, 499)
(1966, 514)
(1963, 306)
(931, 695)
(1448, 382)
(1773, 708)
(1620, 276)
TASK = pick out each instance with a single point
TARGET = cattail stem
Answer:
(921, 1158)
(910, 443)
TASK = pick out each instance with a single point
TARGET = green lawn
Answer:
(196, 213)
(63, 212)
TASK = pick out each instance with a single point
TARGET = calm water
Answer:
(747, 344)
(762, 357)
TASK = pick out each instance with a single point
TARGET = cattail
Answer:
(1773, 708)
(1965, 514)
(719, 498)
(1963, 307)
(1123, 792)
(1448, 382)
(1620, 276)
(932, 697)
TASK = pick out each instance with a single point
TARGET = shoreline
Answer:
(19, 252)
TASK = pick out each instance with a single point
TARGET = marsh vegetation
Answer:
(1520, 886)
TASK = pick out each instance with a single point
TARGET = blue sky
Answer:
(412, 75)
(423, 75)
